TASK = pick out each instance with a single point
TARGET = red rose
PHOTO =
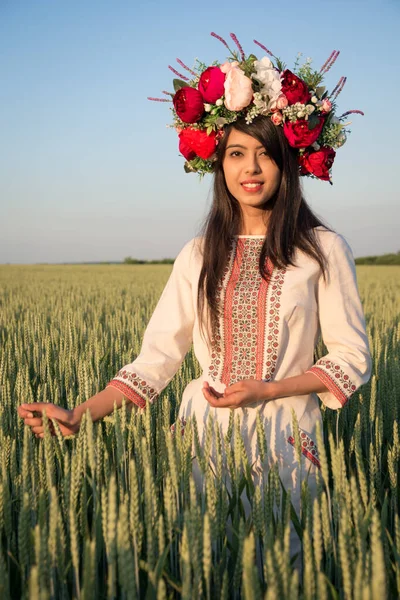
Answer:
(188, 103)
(211, 84)
(197, 141)
(317, 163)
(294, 88)
(299, 135)
(186, 150)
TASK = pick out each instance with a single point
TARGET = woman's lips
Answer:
(252, 186)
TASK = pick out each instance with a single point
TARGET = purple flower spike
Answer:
(178, 60)
(233, 36)
(340, 86)
(263, 47)
(351, 112)
(221, 40)
(327, 62)
(158, 99)
(336, 88)
(331, 61)
(178, 74)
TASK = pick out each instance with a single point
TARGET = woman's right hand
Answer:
(66, 419)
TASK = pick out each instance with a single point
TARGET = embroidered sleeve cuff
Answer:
(336, 380)
(134, 387)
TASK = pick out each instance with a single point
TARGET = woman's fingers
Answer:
(222, 401)
(37, 409)
(207, 386)
(209, 394)
(33, 422)
(234, 388)
(40, 407)
(38, 429)
(24, 413)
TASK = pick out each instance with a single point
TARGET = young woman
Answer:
(252, 295)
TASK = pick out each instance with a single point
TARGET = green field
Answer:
(114, 513)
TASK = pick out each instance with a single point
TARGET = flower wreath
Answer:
(246, 87)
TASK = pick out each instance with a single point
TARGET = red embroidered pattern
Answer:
(243, 332)
(128, 393)
(139, 387)
(308, 447)
(335, 379)
(274, 304)
(219, 345)
(261, 302)
(230, 303)
(182, 422)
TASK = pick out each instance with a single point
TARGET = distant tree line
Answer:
(384, 259)
(135, 261)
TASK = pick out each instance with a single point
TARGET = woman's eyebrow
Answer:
(240, 146)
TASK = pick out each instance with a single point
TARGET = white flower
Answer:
(207, 107)
(261, 103)
(269, 77)
(219, 102)
(314, 99)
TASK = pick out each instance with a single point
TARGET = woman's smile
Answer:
(252, 186)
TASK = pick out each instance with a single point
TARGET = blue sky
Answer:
(88, 169)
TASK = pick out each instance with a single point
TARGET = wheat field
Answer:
(114, 513)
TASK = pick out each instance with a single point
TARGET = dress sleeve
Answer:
(348, 363)
(167, 338)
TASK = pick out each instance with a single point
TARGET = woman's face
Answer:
(251, 176)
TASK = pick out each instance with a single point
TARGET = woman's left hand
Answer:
(238, 395)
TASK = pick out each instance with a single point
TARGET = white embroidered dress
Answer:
(268, 330)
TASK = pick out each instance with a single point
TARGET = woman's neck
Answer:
(254, 224)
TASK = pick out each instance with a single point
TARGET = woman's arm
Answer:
(99, 405)
(166, 341)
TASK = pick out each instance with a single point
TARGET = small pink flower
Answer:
(238, 89)
(326, 105)
(281, 102)
(227, 66)
(277, 118)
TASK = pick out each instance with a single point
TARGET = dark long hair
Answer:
(290, 226)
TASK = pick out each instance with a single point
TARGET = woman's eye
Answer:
(236, 153)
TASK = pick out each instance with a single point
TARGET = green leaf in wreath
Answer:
(320, 91)
(313, 121)
(178, 84)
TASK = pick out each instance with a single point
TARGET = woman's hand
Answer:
(65, 418)
(238, 395)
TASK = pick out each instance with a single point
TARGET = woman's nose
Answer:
(252, 165)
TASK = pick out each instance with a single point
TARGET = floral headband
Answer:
(215, 96)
